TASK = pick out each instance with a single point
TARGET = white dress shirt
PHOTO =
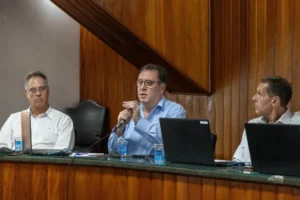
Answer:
(242, 153)
(50, 130)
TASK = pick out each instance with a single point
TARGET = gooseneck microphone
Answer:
(123, 121)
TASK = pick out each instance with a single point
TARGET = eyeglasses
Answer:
(147, 83)
(41, 89)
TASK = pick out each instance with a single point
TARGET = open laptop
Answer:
(274, 148)
(189, 141)
(27, 140)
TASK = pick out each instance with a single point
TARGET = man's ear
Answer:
(162, 88)
(276, 100)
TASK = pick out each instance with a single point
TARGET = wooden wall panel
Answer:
(116, 183)
(182, 26)
(295, 53)
(249, 39)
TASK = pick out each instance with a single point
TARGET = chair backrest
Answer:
(88, 119)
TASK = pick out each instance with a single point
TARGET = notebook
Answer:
(274, 148)
(189, 141)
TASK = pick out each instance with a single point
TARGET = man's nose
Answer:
(38, 93)
(143, 86)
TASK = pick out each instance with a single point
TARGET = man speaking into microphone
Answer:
(138, 123)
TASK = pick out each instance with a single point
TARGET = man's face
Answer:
(262, 101)
(148, 87)
(37, 92)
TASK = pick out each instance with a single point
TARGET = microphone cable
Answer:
(71, 162)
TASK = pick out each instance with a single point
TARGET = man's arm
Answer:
(112, 142)
(242, 153)
(151, 130)
(6, 133)
(124, 116)
(66, 137)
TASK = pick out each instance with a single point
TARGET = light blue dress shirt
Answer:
(142, 136)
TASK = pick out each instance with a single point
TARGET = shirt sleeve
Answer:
(112, 142)
(151, 131)
(242, 153)
(66, 137)
(6, 133)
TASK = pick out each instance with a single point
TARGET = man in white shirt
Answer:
(50, 128)
(270, 102)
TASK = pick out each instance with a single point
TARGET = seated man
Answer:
(270, 102)
(140, 120)
(50, 128)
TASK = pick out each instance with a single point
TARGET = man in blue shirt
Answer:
(140, 120)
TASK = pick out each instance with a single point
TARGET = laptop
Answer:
(189, 141)
(27, 140)
(274, 148)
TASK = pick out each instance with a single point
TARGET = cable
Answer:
(99, 141)
(69, 167)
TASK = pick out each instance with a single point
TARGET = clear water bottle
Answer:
(122, 146)
(159, 154)
(18, 144)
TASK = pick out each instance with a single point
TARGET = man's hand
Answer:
(126, 116)
(134, 107)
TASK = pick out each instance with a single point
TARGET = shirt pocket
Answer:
(51, 134)
(53, 131)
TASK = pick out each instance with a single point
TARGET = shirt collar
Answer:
(161, 104)
(284, 119)
(48, 113)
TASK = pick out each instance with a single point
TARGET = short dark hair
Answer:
(35, 74)
(278, 86)
(162, 72)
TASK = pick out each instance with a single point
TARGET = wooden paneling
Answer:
(250, 39)
(117, 183)
(182, 26)
(92, 15)
(9, 176)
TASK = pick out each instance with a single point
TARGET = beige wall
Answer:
(37, 35)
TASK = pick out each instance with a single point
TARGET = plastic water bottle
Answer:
(122, 146)
(18, 144)
(159, 154)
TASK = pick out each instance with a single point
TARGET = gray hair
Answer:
(34, 74)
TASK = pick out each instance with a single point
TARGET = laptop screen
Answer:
(274, 148)
(187, 141)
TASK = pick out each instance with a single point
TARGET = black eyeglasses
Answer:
(41, 89)
(147, 83)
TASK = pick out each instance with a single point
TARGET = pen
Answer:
(81, 154)
(89, 154)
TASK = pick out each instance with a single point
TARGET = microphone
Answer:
(123, 121)
(120, 124)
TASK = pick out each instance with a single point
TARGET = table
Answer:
(42, 177)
